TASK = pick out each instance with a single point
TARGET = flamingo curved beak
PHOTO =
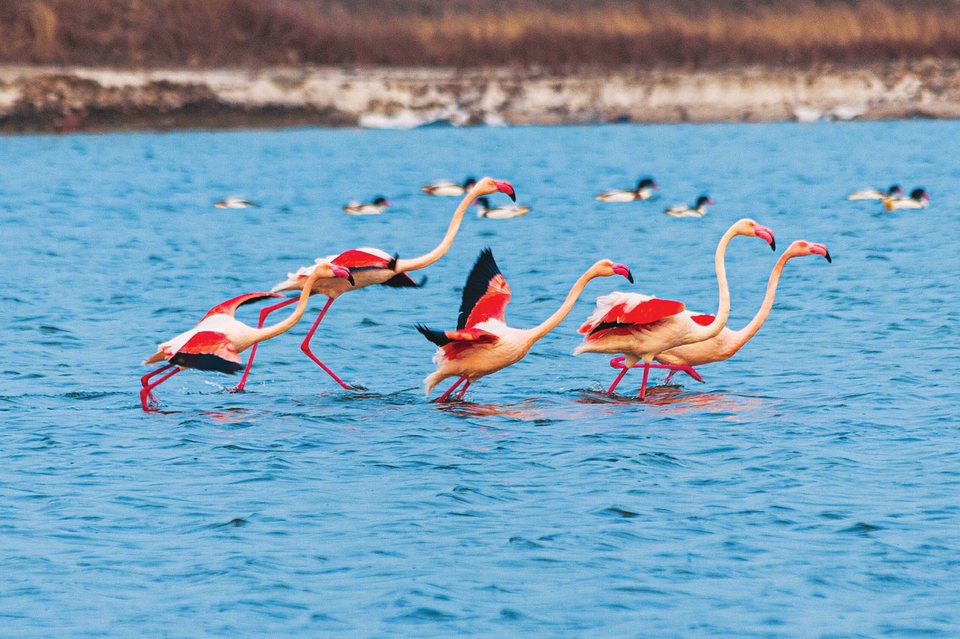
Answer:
(820, 249)
(622, 269)
(342, 271)
(765, 234)
(505, 187)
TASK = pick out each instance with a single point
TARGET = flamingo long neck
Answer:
(723, 311)
(535, 333)
(427, 259)
(746, 333)
(267, 332)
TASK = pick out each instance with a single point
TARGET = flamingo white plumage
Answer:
(372, 266)
(483, 343)
(641, 326)
(216, 342)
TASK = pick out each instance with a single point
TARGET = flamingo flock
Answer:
(641, 330)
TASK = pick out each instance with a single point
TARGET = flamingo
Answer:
(367, 208)
(727, 342)
(216, 342)
(876, 194)
(448, 188)
(642, 192)
(499, 212)
(483, 343)
(234, 202)
(641, 327)
(917, 200)
(697, 210)
(371, 266)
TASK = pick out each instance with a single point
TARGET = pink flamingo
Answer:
(727, 342)
(216, 342)
(641, 327)
(483, 343)
(372, 266)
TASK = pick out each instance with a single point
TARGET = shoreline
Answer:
(49, 99)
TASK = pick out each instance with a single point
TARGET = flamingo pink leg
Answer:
(146, 390)
(266, 310)
(305, 347)
(613, 386)
(463, 391)
(146, 378)
(643, 384)
(450, 390)
(617, 362)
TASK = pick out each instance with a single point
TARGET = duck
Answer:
(918, 200)
(367, 208)
(876, 194)
(499, 212)
(233, 202)
(697, 210)
(448, 188)
(643, 192)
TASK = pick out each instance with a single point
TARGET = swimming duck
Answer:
(234, 203)
(917, 200)
(876, 194)
(499, 212)
(367, 208)
(643, 192)
(698, 210)
(446, 187)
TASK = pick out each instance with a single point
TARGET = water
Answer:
(809, 488)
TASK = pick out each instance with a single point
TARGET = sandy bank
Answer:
(34, 99)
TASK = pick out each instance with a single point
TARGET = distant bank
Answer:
(61, 99)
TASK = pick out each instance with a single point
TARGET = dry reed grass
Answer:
(556, 34)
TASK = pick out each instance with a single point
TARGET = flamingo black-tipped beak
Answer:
(766, 235)
(505, 187)
(820, 249)
(622, 269)
(344, 272)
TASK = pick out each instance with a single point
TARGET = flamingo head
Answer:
(752, 229)
(381, 201)
(488, 186)
(895, 190)
(802, 247)
(329, 271)
(647, 183)
(606, 268)
(704, 199)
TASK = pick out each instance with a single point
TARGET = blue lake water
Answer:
(811, 487)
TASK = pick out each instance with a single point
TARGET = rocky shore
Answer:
(59, 99)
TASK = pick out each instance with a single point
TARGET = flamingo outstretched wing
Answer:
(402, 280)
(362, 258)
(618, 310)
(208, 351)
(231, 305)
(485, 295)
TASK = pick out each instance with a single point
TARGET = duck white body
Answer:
(875, 194)
(367, 208)
(234, 203)
(698, 210)
(643, 192)
(917, 200)
(499, 212)
(446, 188)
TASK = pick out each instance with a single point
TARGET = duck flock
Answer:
(643, 331)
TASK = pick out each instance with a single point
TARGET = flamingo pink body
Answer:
(640, 327)
(372, 266)
(216, 342)
(483, 344)
(727, 342)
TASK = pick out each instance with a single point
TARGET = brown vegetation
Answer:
(554, 33)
